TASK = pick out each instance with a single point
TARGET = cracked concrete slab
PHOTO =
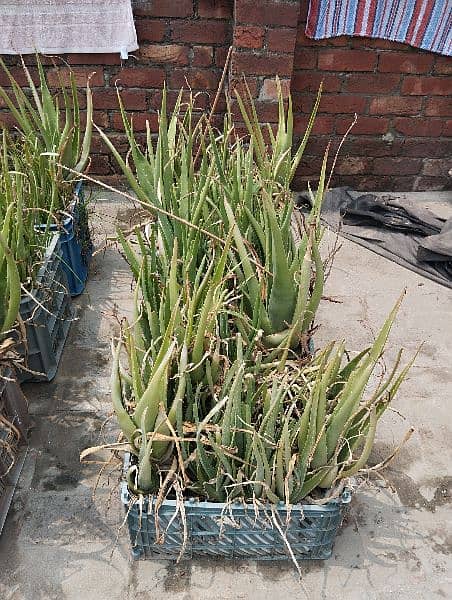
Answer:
(62, 541)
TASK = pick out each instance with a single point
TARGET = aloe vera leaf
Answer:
(356, 383)
(12, 287)
(317, 291)
(145, 482)
(320, 456)
(87, 136)
(282, 298)
(370, 436)
(299, 153)
(153, 394)
(125, 421)
(344, 374)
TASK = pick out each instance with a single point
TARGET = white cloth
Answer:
(61, 26)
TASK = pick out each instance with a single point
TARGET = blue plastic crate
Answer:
(47, 315)
(233, 531)
(76, 245)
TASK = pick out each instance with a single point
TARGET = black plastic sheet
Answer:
(395, 228)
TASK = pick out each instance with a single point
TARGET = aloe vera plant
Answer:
(255, 433)
(242, 187)
(50, 124)
(228, 279)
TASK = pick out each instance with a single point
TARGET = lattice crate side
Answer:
(233, 531)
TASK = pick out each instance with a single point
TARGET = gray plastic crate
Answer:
(234, 531)
(47, 317)
(13, 433)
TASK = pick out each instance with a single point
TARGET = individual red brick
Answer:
(427, 86)
(447, 131)
(141, 77)
(395, 105)
(323, 125)
(347, 60)
(202, 56)
(150, 30)
(371, 83)
(19, 75)
(196, 79)
(269, 90)
(215, 9)
(200, 101)
(107, 99)
(3, 103)
(438, 107)
(309, 166)
(266, 12)
(430, 148)
(94, 59)
(199, 32)
(100, 165)
(248, 36)
(166, 53)
(419, 127)
(253, 64)
(356, 146)
(382, 183)
(436, 167)
(138, 121)
(81, 75)
(99, 117)
(166, 8)
(405, 62)
(6, 119)
(443, 65)
(267, 111)
(336, 103)
(305, 58)
(363, 42)
(363, 126)
(303, 81)
(220, 56)
(353, 165)
(281, 39)
(252, 85)
(397, 166)
(432, 184)
(98, 145)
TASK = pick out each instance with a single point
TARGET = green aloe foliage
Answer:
(9, 287)
(49, 122)
(280, 438)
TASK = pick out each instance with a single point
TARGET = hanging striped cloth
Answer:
(426, 24)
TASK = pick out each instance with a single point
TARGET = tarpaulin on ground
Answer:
(396, 228)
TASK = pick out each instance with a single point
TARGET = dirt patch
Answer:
(129, 217)
(177, 578)
(409, 495)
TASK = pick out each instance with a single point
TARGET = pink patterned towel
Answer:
(59, 26)
(426, 24)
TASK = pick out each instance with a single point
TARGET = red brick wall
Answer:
(180, 41)
(403, 96)
(403, 99)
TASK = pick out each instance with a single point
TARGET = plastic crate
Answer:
(47, 317)
(76, 245)
(233, 531)
(14, 427)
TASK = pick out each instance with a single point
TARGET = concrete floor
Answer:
(61, 542)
